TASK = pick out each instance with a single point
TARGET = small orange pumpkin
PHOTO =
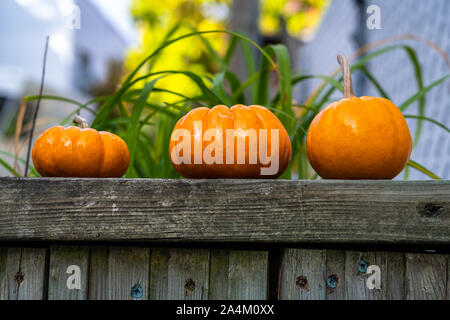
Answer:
(358, 138)
(203, 127)
(80, 152)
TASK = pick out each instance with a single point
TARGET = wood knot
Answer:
(332, 281)
(430, 210)
(19, 277)
(301, 282)
(136, 291)
(362, 266)
(189, 285)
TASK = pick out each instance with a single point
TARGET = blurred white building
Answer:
(86, 49)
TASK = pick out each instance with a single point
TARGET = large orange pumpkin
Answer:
(80, 152)
(203, 128)
(358, 138)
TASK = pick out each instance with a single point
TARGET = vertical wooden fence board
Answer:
(335, 275)
(426, 276)
(98, 273)
(395, 276)
(3, 275)
(248, 275)
(119, 273)
(61, 257)
(11, 287)
(448, 277)
(23, 274)
(303, 275)
(128, 273)
(218, 275)
(159, 270)
(188, 274)
(356, 277)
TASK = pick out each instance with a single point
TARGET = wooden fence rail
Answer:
(48, 226)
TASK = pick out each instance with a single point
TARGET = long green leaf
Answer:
(21, 160)
(133, 129)
(422, 93)
(281, 54)
(251, 69)
(56, 98)
(8, 167)
(409, 116)
(375, 82)
(422, 169)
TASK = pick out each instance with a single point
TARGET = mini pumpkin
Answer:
(358, 138)
(80, 152)
(240, 142)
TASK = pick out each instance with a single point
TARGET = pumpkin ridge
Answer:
(44, 153)
(100, 168)
(52, 161)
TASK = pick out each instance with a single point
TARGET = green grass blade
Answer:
(375, 82)
(133, 129)
(250, 82)
(281, 54)
(231, 49)
(409, 116)
(422, 92)
(235, 84)
(219, 90)
(21, 160)
(422, 169)
(167, 37)
(328, 80)
(11, 170)
(56, 98)
(418, 75)
(251, 69)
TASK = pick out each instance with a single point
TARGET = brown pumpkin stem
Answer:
(347, 75)
(81, 122)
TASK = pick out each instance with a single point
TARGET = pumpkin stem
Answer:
(81, 122)
(348, 82)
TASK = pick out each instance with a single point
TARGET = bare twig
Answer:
(37, 106)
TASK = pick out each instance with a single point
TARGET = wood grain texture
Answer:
(302, 275)
(248, 275)
(335, 275)
(448, 277)
(3, 275)
(22, 273)
(128, 270)
(426, 277)
(119, 273)
(356, 278)
(61, 257)
(219, 274)
(395, 276)
(98, 273)
(225, 210)
(188, 274)
(159, 272)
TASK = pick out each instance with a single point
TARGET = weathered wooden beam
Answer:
(277, 211)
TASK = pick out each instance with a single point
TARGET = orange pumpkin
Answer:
(80, 152)
(230, 138)
(358, 138)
